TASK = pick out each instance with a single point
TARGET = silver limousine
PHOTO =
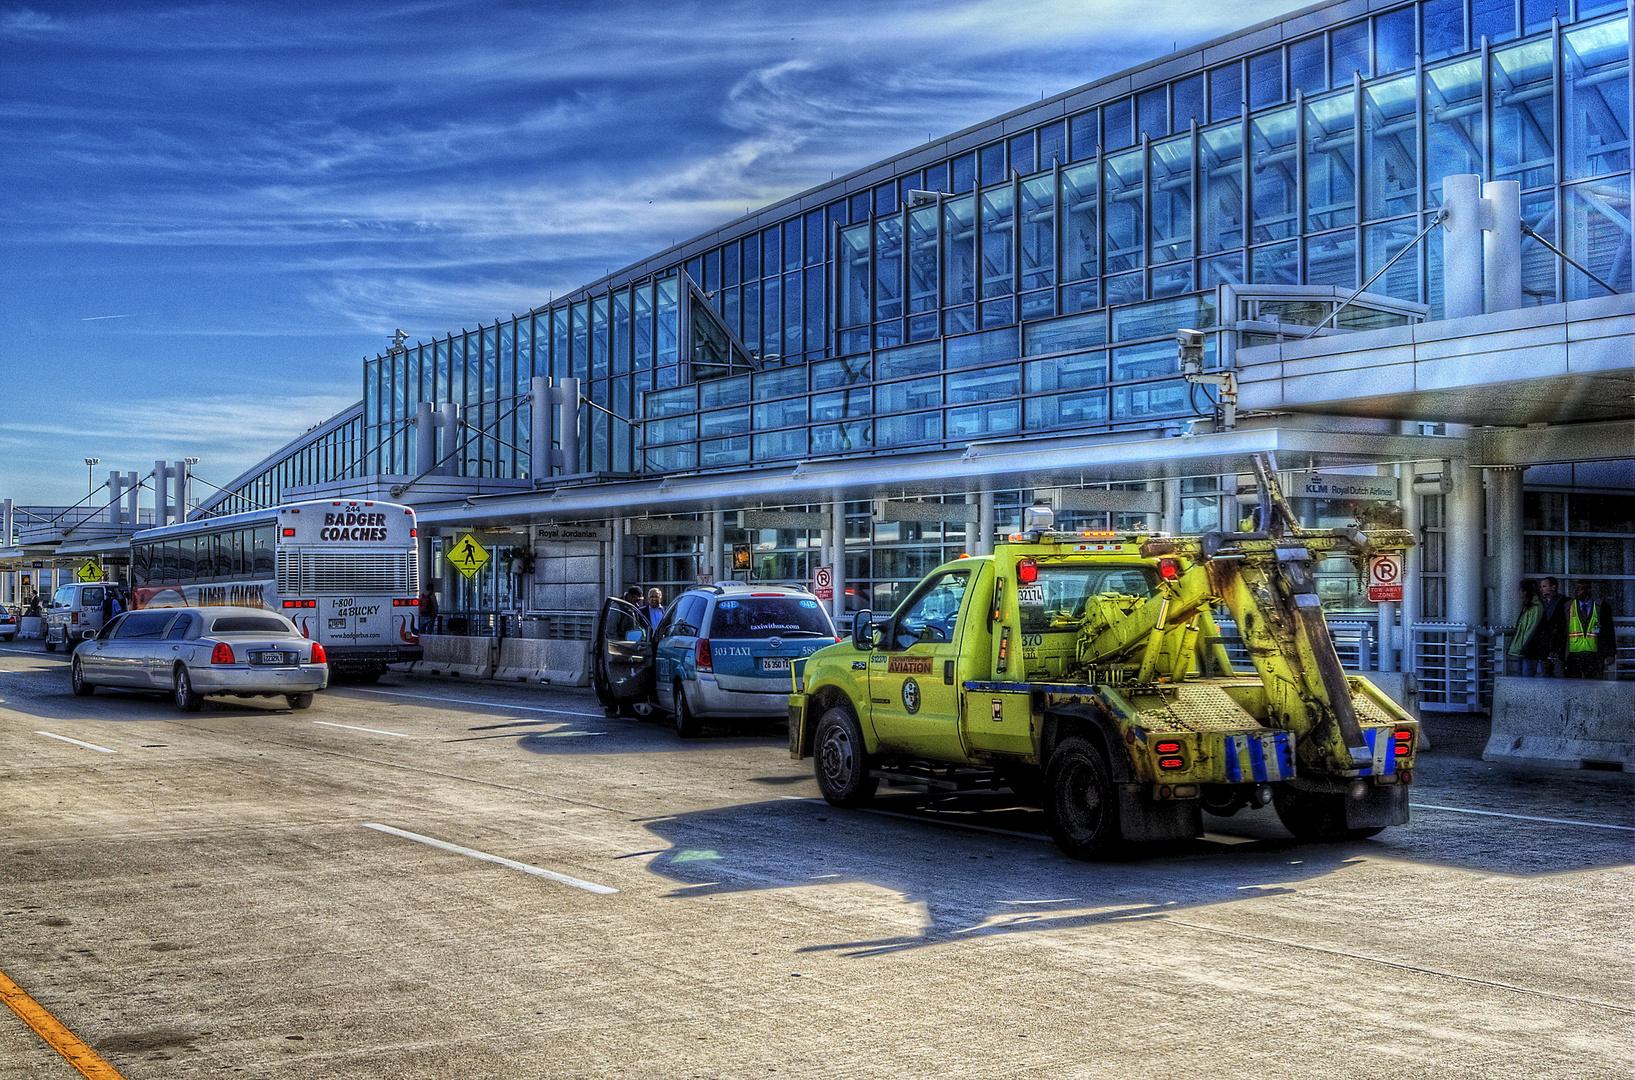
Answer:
(192, 652)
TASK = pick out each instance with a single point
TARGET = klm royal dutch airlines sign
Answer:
(1312, 485)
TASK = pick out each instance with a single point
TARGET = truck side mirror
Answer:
(864, 635)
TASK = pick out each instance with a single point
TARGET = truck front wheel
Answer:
(1081, 803)
(1315, 815)
(841, 762)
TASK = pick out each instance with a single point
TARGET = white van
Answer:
(75, 613)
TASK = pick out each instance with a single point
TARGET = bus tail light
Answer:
(400, 602)
(289, 532)
(300, 603)
(318, 654)
(701, 655)
(222, 654)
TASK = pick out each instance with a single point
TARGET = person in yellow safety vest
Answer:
(1591, 641)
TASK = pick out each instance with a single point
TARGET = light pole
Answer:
(90, 463)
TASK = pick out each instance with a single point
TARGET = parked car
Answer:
(196, 652)
(8, 623)
(74, 613)
(720, 651)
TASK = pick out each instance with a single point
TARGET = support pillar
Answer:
(837, 555)
(541, 429)
(1172, 503)
(133, 487)
(1465, 547)
(184, 489)
(718, 532)
(567, 429)
(615, 562)
(450, 455)
(161, 493)
(1504, 500)
(1501, 247)
(1462, 246)
(1413, 561)
(985, 524)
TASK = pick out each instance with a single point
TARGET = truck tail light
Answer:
(1402, 741)
(222, 653)
(318, 654)
(1172, 763)
(1027, 571)
(1167, 747)
(701, 655)
(1169, 569)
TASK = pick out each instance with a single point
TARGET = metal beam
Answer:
(887, 510)
(782, 519)
(666, 527)
(1097, 500)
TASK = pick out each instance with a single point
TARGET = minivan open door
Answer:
(622, 657)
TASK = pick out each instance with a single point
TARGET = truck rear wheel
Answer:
(1081, 803)
(841, 762)
(1315, 815)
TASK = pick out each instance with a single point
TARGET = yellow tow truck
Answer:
(1085, 672)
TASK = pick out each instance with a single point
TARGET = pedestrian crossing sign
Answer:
(89, 572)
(468, 556)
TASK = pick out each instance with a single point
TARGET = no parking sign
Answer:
(1385, 579)
(823, 582)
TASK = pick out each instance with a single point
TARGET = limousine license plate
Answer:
(775, 663)
(272, 659)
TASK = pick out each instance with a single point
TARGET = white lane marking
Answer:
(370, 730)
(76, 742)
(1522, 817)
(469, 701)
(588, 886)
(32, 652)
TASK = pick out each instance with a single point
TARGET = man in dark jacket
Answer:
(1549, 641)
(1592, 644)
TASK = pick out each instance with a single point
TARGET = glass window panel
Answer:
(842, 437)
(846, 372)
(1080, 242)
(1275, 264)
(1274, 163)
(1152, 112)
(580, 359)
(1494, 19)
(720, 422)
(1331, 259)
(922, 258)
(1538, 263)
(717, 452)
(982, 348)
(1127, 288)
(729, 264)
(888, 268)
(771, 250)
(712, 271)
(1596, 222)
(1266, 79)
(1453, 128)
(793, 327)
(672, 458)
(1394, 41)
(1038, 232)
(779, 382)
(1308, 67)
(992, 160)
(1524, 114)
(959, 320)
(1220, 176)
(1348, 53)
(1171, 200)
(1586, 8)
(959, 250)
(1442, 27)
(1225, 92)
(1057, 410)
(619, 354)
(976, 421)
(885, 199)
(1163, 317)
(1038, 305)
(854, 275)
(1065, 372)
(907, 182)
(902, 396)
(1024, 158)
(911, 430)
(888, 334)
(1115, 125)
(1085, 133)
(816, 235)
(962, 173)
(1144, 361)
(909, 360)
(1060, 335)
(771, 324)
(997, 238)
(752, 257)
(1052, 144)
(1390, 148)
(1126, 234)
(841, 405)
(817, 309)
(734, 391)
(1081, 297)
(1331, 162)
(1382, 242)
(1187, 103)
(732, 311)
(1595, 84)
(664, 322)
(999, 312)
(779, 414)
(1150, 399)
(981, 385)
(791, 244)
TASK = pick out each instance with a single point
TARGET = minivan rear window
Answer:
(770, 616)
(250, 624)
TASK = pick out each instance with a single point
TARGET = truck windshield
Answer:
(1056, 601)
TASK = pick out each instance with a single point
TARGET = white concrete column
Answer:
(615, 561)
(567, 428)
(837, 557)
(1413, 561)
(1465, 547)
(449, 421)
(985, 524)
(1155, 522)
(1385, 643)
(1501, 247)
(133, 489)
(541, 428)
(161, 493)
(1504, 500)
(718, 530)
(1172, 504)
(1462, 246)
(1229, 512)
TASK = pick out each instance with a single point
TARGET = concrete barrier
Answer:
(544, 660)
(1563, 723)
(31, 628)
(455, 657)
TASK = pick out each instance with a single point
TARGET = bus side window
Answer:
(263, 557)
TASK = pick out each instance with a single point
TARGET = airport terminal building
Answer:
(1403, 231)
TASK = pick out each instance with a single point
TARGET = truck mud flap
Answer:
(1141, 819)
(1382, 806)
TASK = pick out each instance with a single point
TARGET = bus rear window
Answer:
(250, 624)
(1056, 601)
(770, 616)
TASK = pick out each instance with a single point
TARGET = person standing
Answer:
(1591, 641)
(654, 611)
(1528, 663)
(428, 613)
(1549, 641)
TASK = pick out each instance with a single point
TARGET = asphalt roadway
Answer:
(258, 892)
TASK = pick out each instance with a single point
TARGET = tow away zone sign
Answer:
(1385, 579)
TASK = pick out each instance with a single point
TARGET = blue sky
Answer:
(213, 211)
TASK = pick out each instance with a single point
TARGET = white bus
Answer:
(345, 571)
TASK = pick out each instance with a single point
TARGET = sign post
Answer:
(1385, 579)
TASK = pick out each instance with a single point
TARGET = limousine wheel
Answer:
(81, 687)
(187, 698)
(298, 701)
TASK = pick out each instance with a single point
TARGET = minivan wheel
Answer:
(81, 687)
(50, 646)
(687, 725)
(187, 698)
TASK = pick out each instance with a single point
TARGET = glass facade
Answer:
(953, 301)
(332, 451)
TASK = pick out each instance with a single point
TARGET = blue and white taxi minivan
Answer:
(720, 651)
